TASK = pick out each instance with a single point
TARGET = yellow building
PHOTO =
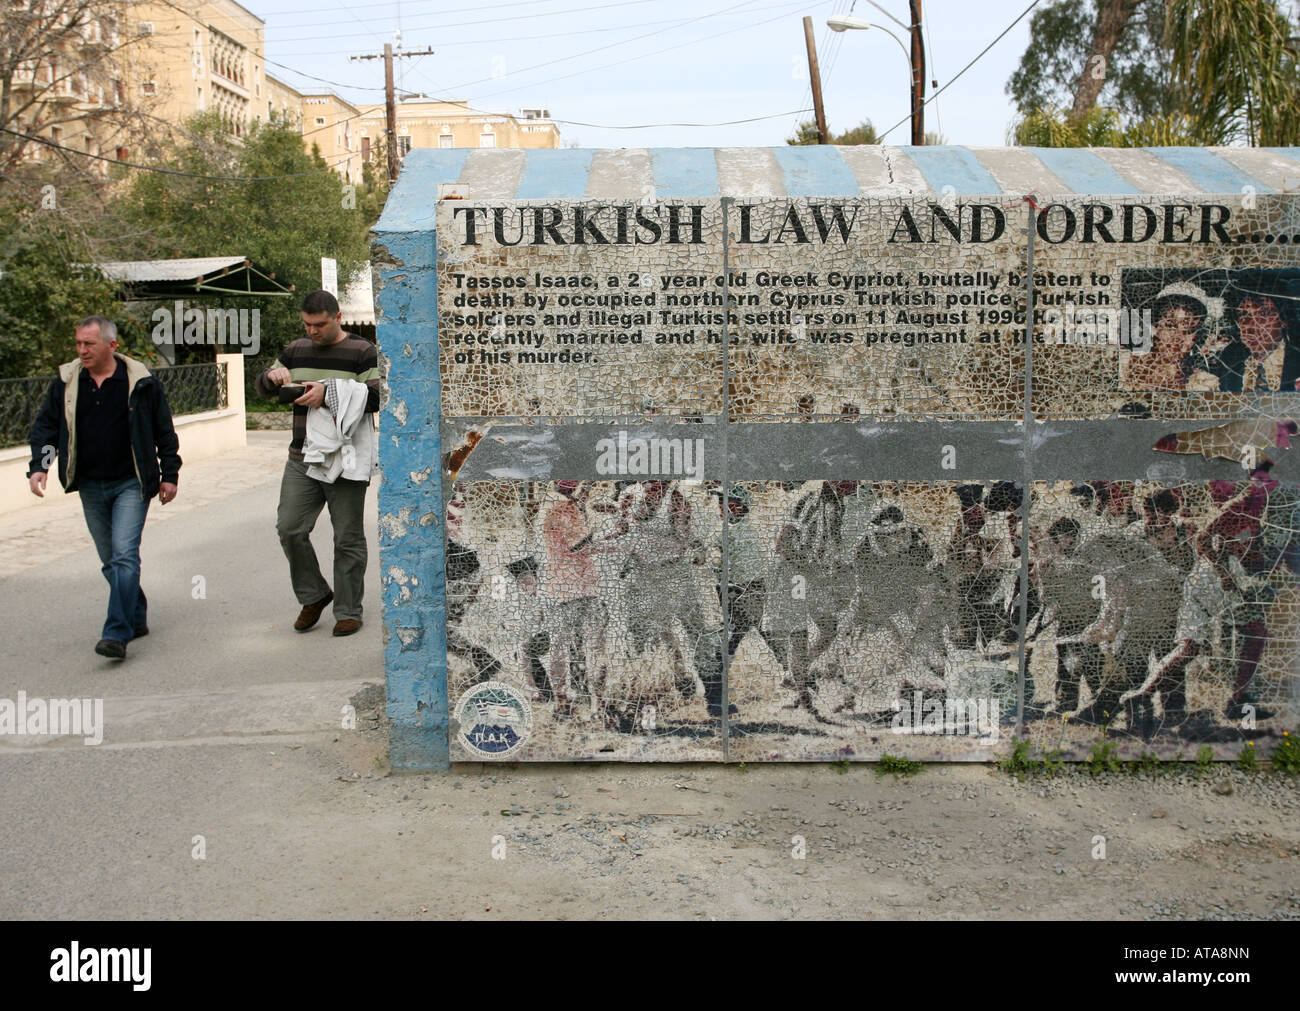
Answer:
(283, 103)
(166, 62)
(330, 124)
(67, 79)
(453, 123)
(206, 55)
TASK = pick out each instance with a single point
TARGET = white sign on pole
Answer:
(329, 275)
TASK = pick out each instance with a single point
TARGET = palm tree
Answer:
(1236, 72)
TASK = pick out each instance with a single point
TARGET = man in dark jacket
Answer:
(106, 418)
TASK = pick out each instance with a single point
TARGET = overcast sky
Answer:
(634, 62)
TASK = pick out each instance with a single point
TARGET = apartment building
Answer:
(167, 62)
(283, 102)
(204, 55)
(64, 81)
(330, 124)
(91, 61)
(452, 123)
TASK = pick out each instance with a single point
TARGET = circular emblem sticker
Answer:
(494, 719)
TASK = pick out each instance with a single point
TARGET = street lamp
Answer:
(843, 22)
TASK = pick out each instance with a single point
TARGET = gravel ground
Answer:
(793, 841)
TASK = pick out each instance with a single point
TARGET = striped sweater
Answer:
(350, 358)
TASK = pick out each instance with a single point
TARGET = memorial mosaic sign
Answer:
(780, 479)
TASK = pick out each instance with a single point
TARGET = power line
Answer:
(485, 21)
(496, 40)
(932, 71)
(807, 90)
(648, 126)
(599, 49)
(641, 56)
(965, 68)
(167, 171)
(798, 4)
(444, 13)
(322, 80)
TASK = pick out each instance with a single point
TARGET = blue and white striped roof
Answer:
(636, 173)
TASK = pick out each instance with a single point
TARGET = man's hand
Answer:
(37, 483)
(166, 492)
(314, 397)
(279, 376)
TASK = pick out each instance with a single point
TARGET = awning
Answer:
(207, 275)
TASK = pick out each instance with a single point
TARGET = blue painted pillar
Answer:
(411, 509)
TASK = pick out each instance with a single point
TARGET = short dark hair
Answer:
(320, 301)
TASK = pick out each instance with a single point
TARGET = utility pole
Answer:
(390, 103)
(815, 77)
(918, 76)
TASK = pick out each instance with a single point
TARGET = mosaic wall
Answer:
(746, 480)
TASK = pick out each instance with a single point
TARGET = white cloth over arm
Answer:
(340, 440)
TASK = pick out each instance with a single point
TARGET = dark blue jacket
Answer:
(1231, 363)
(154, 446)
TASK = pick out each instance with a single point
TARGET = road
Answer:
(226, 785)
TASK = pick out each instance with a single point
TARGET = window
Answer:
(119, 93)
(146, 28)
(122, 154)
(487, 139)
(148, 88)
(320, 120)
(446, 140)
(198, 92)
(404, 145)
(365, 149)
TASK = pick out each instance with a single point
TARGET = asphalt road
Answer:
(221, 681)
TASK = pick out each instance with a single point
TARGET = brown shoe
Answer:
(347, 626)
(310, 614)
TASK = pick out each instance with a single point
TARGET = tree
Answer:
(1135, 75)
(45, 287)
(1111, 22)
(292, 211)
(806, 133)
(1235, 71)
(1209, 72)
(60, 67)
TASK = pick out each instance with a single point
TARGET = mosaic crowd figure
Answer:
(464, 581)
(570, 591)
(810, 585)
(653, 534)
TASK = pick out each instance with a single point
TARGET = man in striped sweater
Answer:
(327, 352)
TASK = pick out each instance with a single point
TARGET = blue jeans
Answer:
(115, 512)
